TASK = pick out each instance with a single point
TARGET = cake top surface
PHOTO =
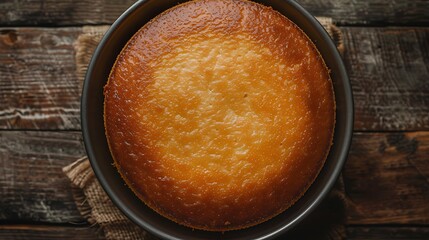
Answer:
(219, 113)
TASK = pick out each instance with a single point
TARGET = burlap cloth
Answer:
(94, 204)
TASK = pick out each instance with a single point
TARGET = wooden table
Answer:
(387, 56)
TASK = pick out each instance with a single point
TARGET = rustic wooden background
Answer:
(387, 56)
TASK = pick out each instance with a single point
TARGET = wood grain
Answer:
(70, 12)
(37, 232)
(38, 84)
(388, 69)
(388, 233)
(387, 178)
(61, 12)
(378, 12)
(33, 186)
(41, 232)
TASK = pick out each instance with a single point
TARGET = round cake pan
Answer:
(101, 160)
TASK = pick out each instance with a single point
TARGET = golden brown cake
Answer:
(219, 114)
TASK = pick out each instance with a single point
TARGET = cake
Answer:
(219, 114)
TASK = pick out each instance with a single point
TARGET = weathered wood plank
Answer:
(378, 12)
(61, 12)
(24, 232)
(33, 186)
(38, 232)
(69, 12)
(387, 178)
(388, 233)
(388, 68)
(38, 84)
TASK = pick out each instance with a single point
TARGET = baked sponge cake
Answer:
(219, 114)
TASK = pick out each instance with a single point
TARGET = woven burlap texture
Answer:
(94, 204)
